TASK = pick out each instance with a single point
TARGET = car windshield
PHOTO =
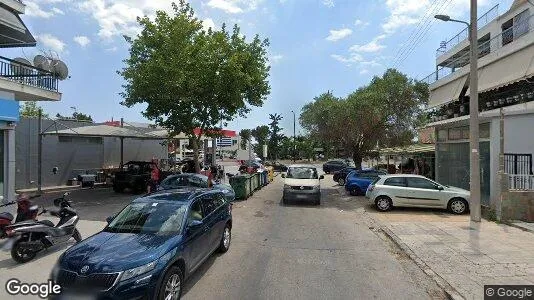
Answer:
(184, 181)
(149, 217)
(302, 173)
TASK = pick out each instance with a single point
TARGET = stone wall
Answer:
(518, 205)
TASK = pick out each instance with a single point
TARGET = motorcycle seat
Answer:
(46, 222)
(7, 216)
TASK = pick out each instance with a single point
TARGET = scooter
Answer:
(35, 236)
(25, 211)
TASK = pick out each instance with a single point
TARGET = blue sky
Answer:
(316, 45)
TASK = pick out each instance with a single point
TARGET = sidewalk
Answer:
(460, 257)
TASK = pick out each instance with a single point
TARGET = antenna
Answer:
(60, 69)
(20, 69)
(41, 62)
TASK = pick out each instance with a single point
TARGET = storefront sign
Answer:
(9, 110)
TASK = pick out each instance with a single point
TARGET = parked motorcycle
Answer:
(25, 211)
(35, 236)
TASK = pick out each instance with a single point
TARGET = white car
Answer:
(416, 191)
(302, 182)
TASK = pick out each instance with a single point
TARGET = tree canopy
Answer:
(384, 113)
(76, 116)
(30, 109)
(261, 135)
(192, 78)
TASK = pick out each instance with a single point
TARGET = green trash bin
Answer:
(258, 180)
(241, 186)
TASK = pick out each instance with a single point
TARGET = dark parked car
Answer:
(341, 175)
(358, 181)
(135, 175)
(334, 165)
(149, 249)
(181, 181)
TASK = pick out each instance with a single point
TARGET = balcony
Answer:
(484, 20)
(16, 5)
(488, 45)
(28, 82)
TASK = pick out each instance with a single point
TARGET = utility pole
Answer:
(39, 151)
(473, 120)
(122, 145)
(294, 137)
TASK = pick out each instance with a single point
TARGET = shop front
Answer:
(9, 115)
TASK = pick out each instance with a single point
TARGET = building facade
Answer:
(506, 77)
(19, 81)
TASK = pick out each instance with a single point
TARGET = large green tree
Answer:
(384, 113)
(275, 135)
(192, 78)
(245, 135)
(76, 116)
(30, 109)
(261, 135)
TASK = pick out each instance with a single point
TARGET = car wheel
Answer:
(458, 206)
(341, 181)
(383, 203)
(225, 239)
(355, 191)
(20, 254)
(171, 286)
(318, 202)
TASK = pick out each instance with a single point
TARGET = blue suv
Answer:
(149, 248)
(358, 181)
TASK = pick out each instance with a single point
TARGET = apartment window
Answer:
(234, 142)
(442, 135)
(507, 32)
(455, 134)
(521, 24)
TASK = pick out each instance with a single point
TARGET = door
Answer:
(214, 220)
(424, 192)
(397, 190)
(197, 237)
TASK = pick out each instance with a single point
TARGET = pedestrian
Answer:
(154, 179)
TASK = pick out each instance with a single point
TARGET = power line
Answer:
(422, 34)
(415, 31)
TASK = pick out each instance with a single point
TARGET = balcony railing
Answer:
(502, 39)
(521, 182)
(27, 74)
(484, 20)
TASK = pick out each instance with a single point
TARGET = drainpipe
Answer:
(501, 175)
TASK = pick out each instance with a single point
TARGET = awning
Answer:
(448, 92)
(507, 70)
(13, 32)
(412, 149)
(105, 131)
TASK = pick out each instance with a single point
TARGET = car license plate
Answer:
(301, 196)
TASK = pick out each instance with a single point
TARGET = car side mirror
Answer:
(440, 188)
(194, 224)
(321, 177)
(283, 175)
(109, 219)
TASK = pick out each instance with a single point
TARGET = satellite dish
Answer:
(60, 69)
(41, 62)
(20, 69)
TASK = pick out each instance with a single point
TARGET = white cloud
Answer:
(234, 6)
(34, 10)
(372, 46)
(208, 23)
(353, 58)
(329, 3)
(51, 42)
(336, 35)
(83, 41)
(275, 58)
(364, 71)
(112, 49)
(360, 24)
(57, 11)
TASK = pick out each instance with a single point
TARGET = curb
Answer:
(519, 227)
(60, 189)
(450, 291)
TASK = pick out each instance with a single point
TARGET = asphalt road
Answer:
(333, 251)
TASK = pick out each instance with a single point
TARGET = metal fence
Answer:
(502, 39)
(521, 182)
(518, 164)
(27, 74)
(484, 20)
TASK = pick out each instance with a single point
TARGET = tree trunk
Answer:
(357, 157)
(195, 153)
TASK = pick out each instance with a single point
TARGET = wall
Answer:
(518, 205)
(72, 158)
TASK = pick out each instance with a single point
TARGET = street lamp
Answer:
(294, 137)
(474, 174)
